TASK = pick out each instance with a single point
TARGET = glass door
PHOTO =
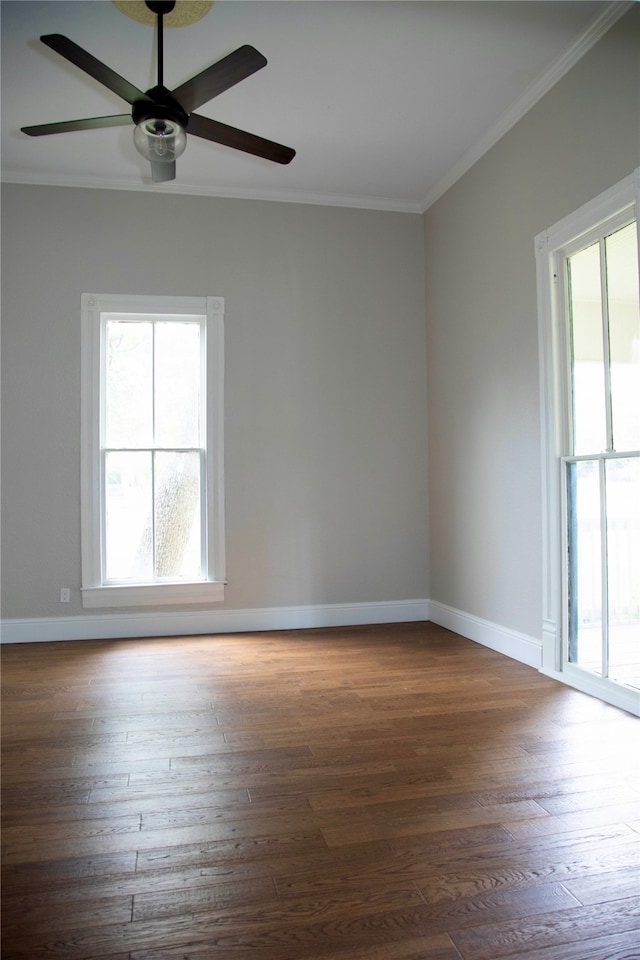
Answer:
(601, 474)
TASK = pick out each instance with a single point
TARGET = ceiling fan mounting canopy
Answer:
(184, 13)
(160, 7)
(160, 115)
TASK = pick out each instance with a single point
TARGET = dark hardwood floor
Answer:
(375, 793)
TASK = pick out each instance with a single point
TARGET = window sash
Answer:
(597, 238)
(155, 320)
(152, 451)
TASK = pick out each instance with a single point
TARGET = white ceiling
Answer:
(385, 102)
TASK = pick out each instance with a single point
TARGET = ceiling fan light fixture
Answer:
(159, 140)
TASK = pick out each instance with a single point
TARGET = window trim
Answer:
(615, 206)
(96, 593)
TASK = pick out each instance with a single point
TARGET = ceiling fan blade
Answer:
(95, 68)
(239, 139)
(66, 126)
(161, 172)
(218, 77)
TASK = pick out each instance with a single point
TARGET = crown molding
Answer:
(581, 45)
(388, 204)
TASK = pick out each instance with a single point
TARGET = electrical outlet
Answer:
(65, 595)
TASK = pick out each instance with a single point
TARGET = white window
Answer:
(152, 446)
(589, 294)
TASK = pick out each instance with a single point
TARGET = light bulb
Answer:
(160, 141)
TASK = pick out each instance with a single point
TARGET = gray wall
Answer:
(482, 342)
(326, 486)
(326, 426)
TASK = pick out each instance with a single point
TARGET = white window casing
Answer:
(97, 591)
(606, 213)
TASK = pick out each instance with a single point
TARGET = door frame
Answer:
(555, 420)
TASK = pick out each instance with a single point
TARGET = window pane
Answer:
(129, 413)
(177, 515)
(177, 384)
(623, 551)
(128, 538)
(624, 336)
(589, 417)
(585, 565)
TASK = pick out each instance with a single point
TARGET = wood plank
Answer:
(336, 834)
(618, 946)
(201, 898)
(437, 947)
(497, 873)
(557, 932)
(618, 884)
(571, 802)
(29, 876)
(571, 822)
(31, 915)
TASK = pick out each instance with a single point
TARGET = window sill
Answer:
(153, 595)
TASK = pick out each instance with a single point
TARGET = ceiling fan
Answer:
(162, 116)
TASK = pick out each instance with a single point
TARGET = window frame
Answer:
(95, 591)
(607, 212)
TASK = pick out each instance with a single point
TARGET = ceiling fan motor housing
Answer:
(160, 106)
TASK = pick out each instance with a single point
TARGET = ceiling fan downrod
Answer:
(160, 8)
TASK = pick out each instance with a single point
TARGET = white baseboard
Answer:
(518, 646)
(114, 626)
(109, 626)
